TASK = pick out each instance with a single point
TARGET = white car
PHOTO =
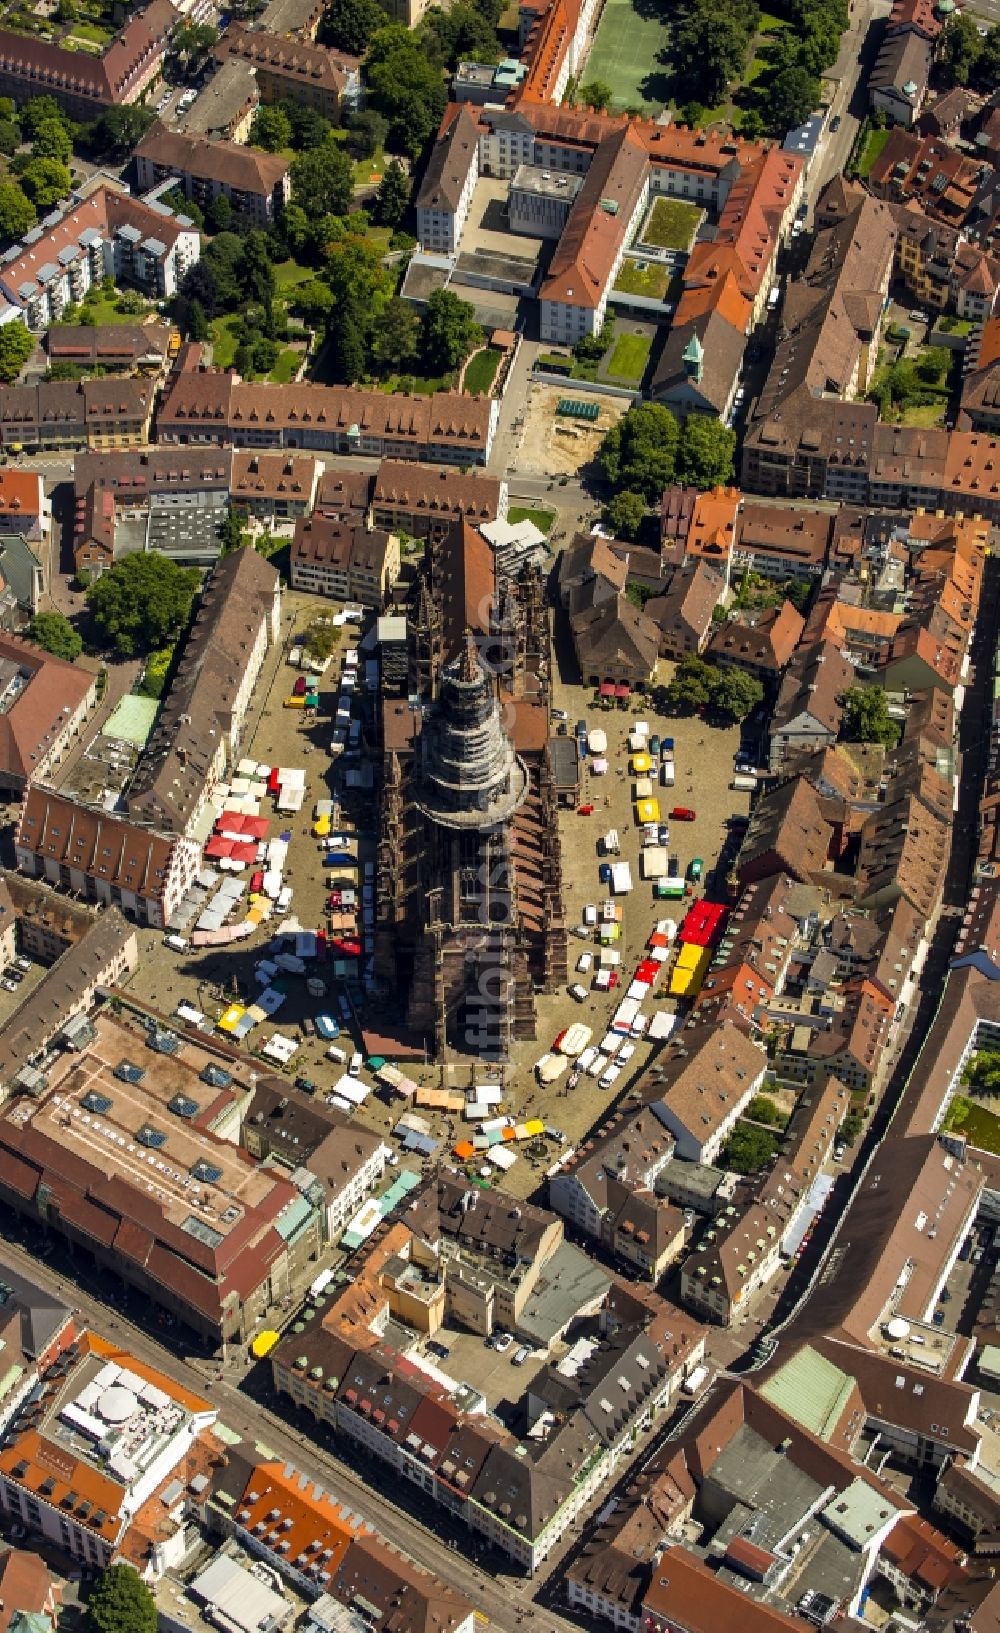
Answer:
(590, 914)
(587, 1059)
(356, 1062)
(578, 992)
(625, 1054)
(584, 963)
(639, 1025)
(598, 1064)
(581, 930)
(610, 1077)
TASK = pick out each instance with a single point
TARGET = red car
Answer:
(299, 689)
(613, 979)
(585, 810)
(682, 813)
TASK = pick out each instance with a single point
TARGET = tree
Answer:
(736, 693)
(218, 214)
(314, 299)
(55, 634)
(232, 538)
(959, 49)
(257, 280)
(366, 133)
(639, 452)
(17, 213)
(866, 716)
(792, 97)
(762, 1109)
(190, 47)
(705, 452)
(52, 141)
(309, 128)
(347, 339)
(142, 602)
(710, 42)
(450, 331)
(223, 258)
(752, 125)
(46, 181)
(359, 281)
(748, 1149)
(405, 87)
(271, 128)
(350, 24)
(596, 94)
(35, 112)
(626, 514)
(393, 195)
(395, 343)
(320, 640)
(154, 678)
(16, 346)
(121, 1603)
(458, 34)
(119, 130)
(691, 687)
(322, 180)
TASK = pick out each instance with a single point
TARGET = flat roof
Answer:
(146, 1133)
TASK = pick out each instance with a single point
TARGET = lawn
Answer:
(671, 224)
(925, 414)
(104, 308)
(423, 385)
(289, 273)
(542, 519)
(980, 1127)
(874, 143)
(625, 55)
(92, 33)
(629, 358)
(482, 371)
(224, 340)
(287, 366)
(647, 278)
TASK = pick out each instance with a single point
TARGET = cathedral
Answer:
(470, 921)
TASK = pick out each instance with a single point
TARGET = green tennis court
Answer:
(624, 56)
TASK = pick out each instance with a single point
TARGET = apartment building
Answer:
(706, 1083)
(199, 729)
(294, 70)
(86, 84)
(58, 414)
(103, 858)
(255, 183)
(221, 408)
(107, 952)
(346, 1159)
(344, 560)
(449, 182)
(608, 1192)
(107, 235)
(424, 500)
(274, 487)
(44, 703)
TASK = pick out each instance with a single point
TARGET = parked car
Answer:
(559, 714)
(625, 1053)
(306, 1084)
(610, 1077)
(604, 873)
(520, 1356)
(584, 963)
(327, 1027)
(502, 1342)
(696, 869)
(8, 985)
(663, 834)
(23, 964)
(308, 1026)
(673, 867)
(836, 121)
(299, 689)
(578, 992)
(682, 813)
(440, 1350)
(654, 744)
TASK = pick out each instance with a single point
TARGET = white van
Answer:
(336, 1053)
(177, 944)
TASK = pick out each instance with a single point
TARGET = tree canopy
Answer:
(271, 128)
(393, 195)
(626, 513)
(17, 213)
(698, 684)
(866, 716)
(351, 24)
(450, 331)
(16, 346)
(736, 693)
(322, 180)
(142, 602)
(710, 42)
(121, 1603)
(748, 1149)
(705, 452)
(405, 87)
(54, 633)
(639, 452)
